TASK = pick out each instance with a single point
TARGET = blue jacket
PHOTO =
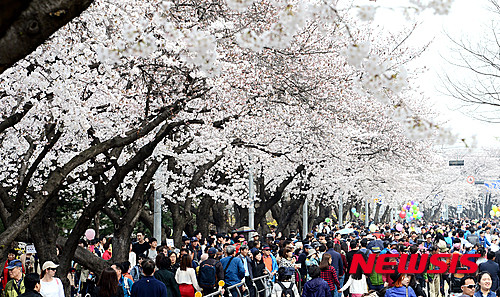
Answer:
(235, 272)
(400, 292)
(480, 294)
(126, 283)
(336, 262)
(484, 242)
(149, 286)
(317, 287)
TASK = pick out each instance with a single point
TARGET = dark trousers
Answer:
(376, 288)
(250, 286)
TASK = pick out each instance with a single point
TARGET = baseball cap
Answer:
(269, 235)
(266, 248)
(194, 238)
(14, 264)
(376, 249)
(308, 246)
(49, 264)
(212, 250)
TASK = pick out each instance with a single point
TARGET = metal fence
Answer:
(263, 287)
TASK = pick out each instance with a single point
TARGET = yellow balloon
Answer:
(221, 283)
(495, 208)
(197, 294)
(492, 213)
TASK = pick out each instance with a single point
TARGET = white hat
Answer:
(49, 264)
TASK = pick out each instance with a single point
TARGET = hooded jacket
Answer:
(317, 287)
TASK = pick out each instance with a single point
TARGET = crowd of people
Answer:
(253, 265)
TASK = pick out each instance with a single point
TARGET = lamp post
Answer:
(251, 196)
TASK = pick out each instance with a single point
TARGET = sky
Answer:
(467, 20)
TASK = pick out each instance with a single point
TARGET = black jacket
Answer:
(219, 270)
(30, 293)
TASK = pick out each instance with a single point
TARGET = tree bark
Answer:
(220, 217)
(203, 215)
(30, 28)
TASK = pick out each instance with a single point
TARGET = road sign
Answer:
(456, 162)
(492, 184)
(470, 179)
(460, 208)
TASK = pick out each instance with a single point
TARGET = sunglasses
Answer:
(53, 269)
(470, 286)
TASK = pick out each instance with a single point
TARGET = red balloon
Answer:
(402, 214)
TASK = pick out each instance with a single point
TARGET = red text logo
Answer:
(440, 263)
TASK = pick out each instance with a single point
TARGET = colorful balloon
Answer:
(492, 213)
(495, 208)
(402, 214)
(498, 213)
(356, 214)
(399, 227)
(353, 210)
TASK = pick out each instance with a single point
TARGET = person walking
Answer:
(247, 265)
(210, 272)
(234, 271)
(124, 282)
(492, 268)
(356, 284)
(50, 286)
(108, 285)
(186, 277)
(259, 269)
(337, 263)
(15, 286)
(32, 285)
(485, 282)
(316, 287)
(468, 285)
(328, 273)
(148, 286)
(165, 276)
(401, 286)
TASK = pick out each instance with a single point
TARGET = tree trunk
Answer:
(377, 210)
(220, 217)
(44, 232)
(27, 30)
(203, 215)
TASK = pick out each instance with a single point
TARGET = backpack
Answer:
(207, 276)
(473, 239)
(286, 292)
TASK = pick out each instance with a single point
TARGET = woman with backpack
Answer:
(288, 260)
(284, 287)
(186, 277)
(328, 273)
